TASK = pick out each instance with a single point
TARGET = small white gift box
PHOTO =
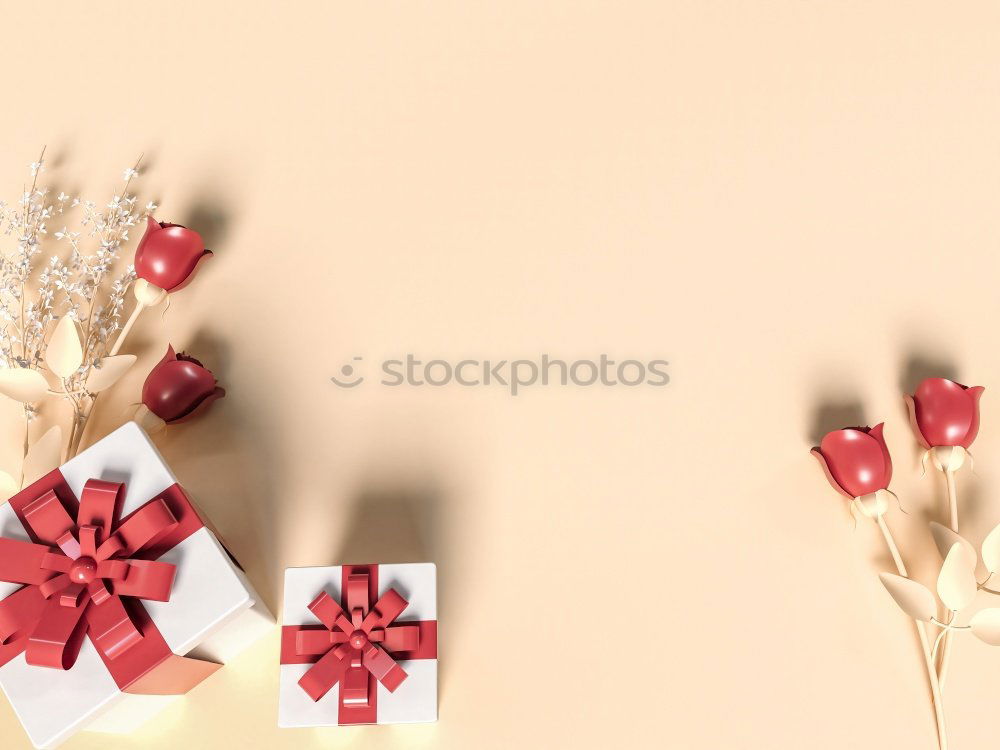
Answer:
(358, 645)
(159, 601)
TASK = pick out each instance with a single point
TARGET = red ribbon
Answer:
(76, 573)
(354, 643)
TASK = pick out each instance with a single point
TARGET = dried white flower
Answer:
(82, 284)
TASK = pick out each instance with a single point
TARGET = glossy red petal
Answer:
(826, 470)
(168, 255)
(173, 389)
(858, 461)
(206, 255)
(945, 412)
(975, 393)
(201, 406)
(876, 432)
(911, 409)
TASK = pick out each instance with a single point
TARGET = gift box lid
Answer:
(415, 699)
(207, 592)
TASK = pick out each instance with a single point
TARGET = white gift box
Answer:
(212, 613)
(414, 699)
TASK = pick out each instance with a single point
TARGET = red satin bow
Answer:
(76, 589)
(350, 643)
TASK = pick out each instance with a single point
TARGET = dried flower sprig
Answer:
(61, 318)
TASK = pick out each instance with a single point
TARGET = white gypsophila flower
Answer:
(79, 285)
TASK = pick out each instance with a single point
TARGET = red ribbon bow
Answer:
(350, 643)
(78, 573)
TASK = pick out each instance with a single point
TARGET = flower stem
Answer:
(932, 675)
(952, 499)
(83, 421)
(953, 514)
(945, 634)
(984, 586)
(948, 626)
(69, 442)
(136, 311)
(75, 426)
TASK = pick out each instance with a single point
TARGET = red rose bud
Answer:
(945, 413)
(856, 460)
(945, 418)
(179, 387)
(168, 255)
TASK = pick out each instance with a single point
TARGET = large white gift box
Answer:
(358, 645)
(140, 637)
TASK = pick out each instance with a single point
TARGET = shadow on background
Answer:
(392, 526)
(227, 457)
(917, 366)
(387, 523)
(210, 216)
(833, 414)
(228, 461)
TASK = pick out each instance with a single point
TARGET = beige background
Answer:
(793, 202)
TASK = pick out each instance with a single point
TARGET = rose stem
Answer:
(126, 328)
(953, 510)
(952, 498)
(948, 626)
(924, 644)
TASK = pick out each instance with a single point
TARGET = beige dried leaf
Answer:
(956, 583)
(23, 384)
(986, 626)
(8, 486)
(64, 353)
(945, 539)
(43, 456)
(991, 550)
(913, 598)
(109, 371)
